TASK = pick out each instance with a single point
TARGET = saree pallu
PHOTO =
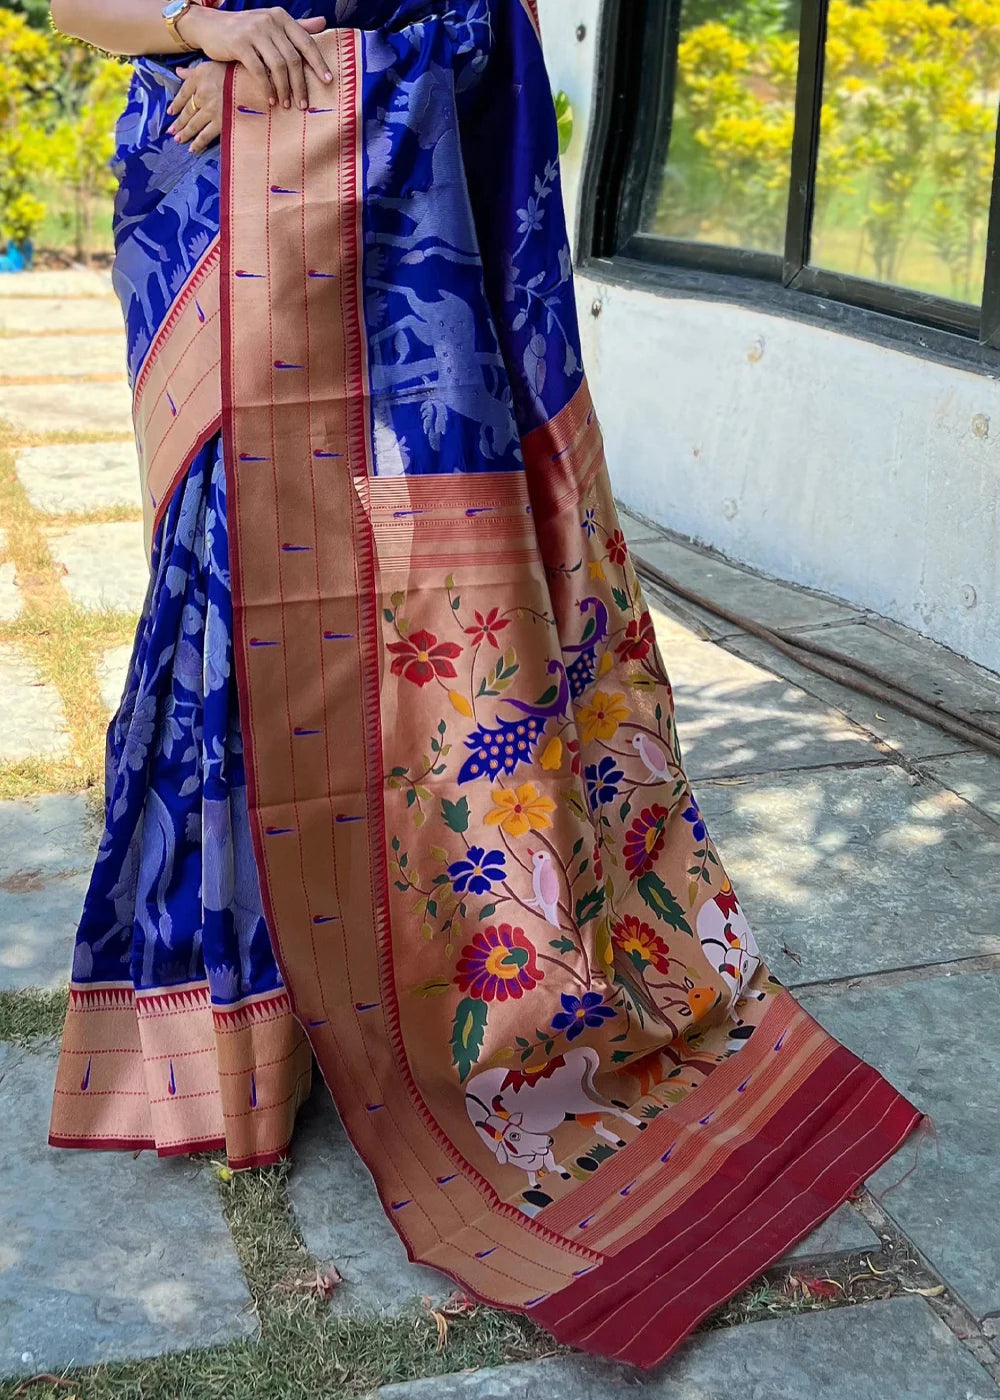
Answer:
(396, 781)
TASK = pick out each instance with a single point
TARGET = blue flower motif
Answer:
(602, 781)
(531, 216)
(478, 872)
(588, 525)
(693, 815)
(580, 1012)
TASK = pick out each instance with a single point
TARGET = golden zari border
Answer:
(168, 1070)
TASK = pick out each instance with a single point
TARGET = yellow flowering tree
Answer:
(58, 105)
(907, 146)
(26, 69)
(81, 144)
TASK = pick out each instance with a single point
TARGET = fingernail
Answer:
(304, 104)
(272, 100)
(328, 77)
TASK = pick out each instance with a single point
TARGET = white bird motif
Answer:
(652, 756)
(545, 883)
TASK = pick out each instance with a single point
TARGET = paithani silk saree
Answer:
(395, 781)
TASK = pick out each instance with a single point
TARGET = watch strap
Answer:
(171, 23)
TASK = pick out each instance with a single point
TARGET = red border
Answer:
(197, 277)
(839, 1126)
(260, 1159)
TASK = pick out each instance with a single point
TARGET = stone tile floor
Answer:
(866, 847)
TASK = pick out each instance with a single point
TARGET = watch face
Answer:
(175, 8)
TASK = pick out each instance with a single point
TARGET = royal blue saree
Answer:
(395, 782)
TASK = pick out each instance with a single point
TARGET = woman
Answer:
(395, 780)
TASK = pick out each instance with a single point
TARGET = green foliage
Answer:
(36, 12)
(745, 17)
(907, 142)
(564, 121)
(59, 101)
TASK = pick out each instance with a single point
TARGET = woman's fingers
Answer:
(301, 37)
(210, 132)
(295, 69)
(192, 124)
(257, 69)
(277, 69)
(183, 95)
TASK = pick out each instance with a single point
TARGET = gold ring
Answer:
(193, 105)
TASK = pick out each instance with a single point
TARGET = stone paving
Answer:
(84, 553)
(84, 476)
(105, 1255)
(896, 1350)
(866, 848)
(32, 724)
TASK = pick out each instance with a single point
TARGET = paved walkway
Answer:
(866, 848)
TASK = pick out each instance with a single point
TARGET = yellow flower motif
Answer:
(601, 716)
(596, 568)
(460, 703)
(605, 664)
(518, 811)
(552, 754)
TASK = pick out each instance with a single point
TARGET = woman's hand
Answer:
(198, 105)
(270, 44)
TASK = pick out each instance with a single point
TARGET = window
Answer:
(838, 149)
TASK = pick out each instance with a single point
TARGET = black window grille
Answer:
(834, 153)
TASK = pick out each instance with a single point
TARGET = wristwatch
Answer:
(173, 11)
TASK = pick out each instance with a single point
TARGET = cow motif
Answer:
(728, 942)
(516, 1113)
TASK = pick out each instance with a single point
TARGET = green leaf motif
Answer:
(589, 905)
(621, 598)
(456, 814)
(467, 1032)
(562, 945)
(433, 987)
(658, 898)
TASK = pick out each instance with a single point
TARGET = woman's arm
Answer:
(272, 45)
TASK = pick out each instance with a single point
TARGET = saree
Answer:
(395, 784)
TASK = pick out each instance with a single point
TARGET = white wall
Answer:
(815, 456)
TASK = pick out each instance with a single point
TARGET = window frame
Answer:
(634, 108)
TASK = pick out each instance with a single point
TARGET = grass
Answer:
(29, 1016)
(61, 639)
(335, 1358)
(302, 1349)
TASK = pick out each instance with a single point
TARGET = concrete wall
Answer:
(818, 457)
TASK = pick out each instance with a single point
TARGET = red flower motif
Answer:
(420, 657)
(487, 627)
(498, 964)
(641, 943)
(573, 749)
(645, 838)
(597, 863)
(616, 547)
(638, 640)
(726, 899)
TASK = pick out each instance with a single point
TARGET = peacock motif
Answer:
(501, 750)
(583, 668)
